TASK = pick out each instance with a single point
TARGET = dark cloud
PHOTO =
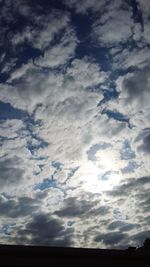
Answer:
(131, 185)
(44, 230)
(122, 226)
(23, 206)
(143, 201)
(139, 237)
(137, 84)
(110, 238)
(74, 207)
(81, 208)
(118, 239)
(145, 147)
(131, 167)
(10, 172)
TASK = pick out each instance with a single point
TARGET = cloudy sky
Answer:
(75, 122)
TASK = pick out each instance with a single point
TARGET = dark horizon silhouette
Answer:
(19, 255)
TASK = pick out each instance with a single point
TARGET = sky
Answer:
(75, 123)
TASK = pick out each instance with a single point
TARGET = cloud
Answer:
(93, 150)
(136, 86)
(32, 86)
(130, 185)
(129, 193)
(136, 57)
(111, 238)
(134, 101)
(86, 6)
(122, 226)
(9, 128)
(131, 167)
(37, 36)
(41, 29)
(43, 230)
(12, 208)
(31, 90)
(86, 73)
(145, 146)
(81, 208)
(60, 53)
(117, 239)
(144, 7)
(139, 238)
(103, 28)
(65, 98)
(10, 173)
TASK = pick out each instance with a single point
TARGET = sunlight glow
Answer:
(101, 175)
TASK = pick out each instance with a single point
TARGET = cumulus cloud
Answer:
(81, 208)
(45, 230)
(84, 7)
(111, 238)
(103, 28)
(66, 99)
(129, 186)
(61, 53)
(122, 226)
(128, 193)
(137, 58)
(10, 174)
(12, 208)
(9, 128)
(133, 101)
(86, 73)
(38, 34)
(136, 86)
(145, 146)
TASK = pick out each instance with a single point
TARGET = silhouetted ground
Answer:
(25, 256)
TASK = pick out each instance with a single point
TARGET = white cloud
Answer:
(114, 26)
(68, 112)
(50, 26)
(133, 102)
(10, 127)
(63, 99)
(86, 73)
(32, 89)
(84, 6)
(144, 6)
(60, 53)
(146, 33)
(138, 57)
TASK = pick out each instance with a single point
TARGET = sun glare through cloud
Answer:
(100, 175)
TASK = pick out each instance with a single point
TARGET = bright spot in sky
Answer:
(99, 177)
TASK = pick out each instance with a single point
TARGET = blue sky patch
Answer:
(47, 183)
(7, 111)
(93, 150)
(116, 116)
(126, 152)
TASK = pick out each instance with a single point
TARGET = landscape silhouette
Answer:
(14, 255)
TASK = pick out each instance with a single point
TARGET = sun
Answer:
(102, 175)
